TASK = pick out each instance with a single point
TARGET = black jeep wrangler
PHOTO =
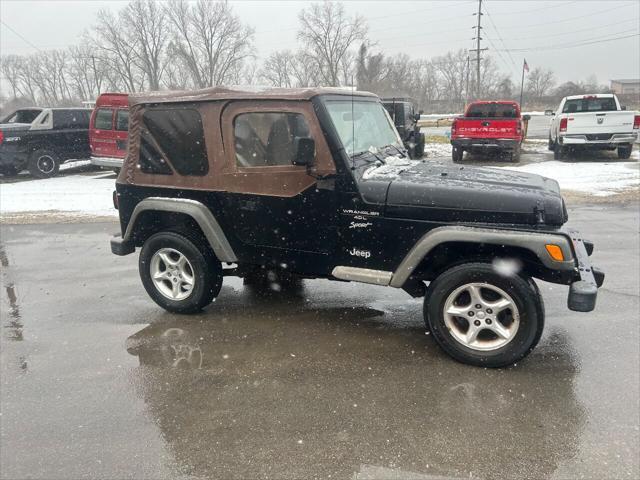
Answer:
(40, 139)
(405, 119)
(316, 184)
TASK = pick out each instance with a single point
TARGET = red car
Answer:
(489, 126)
(108, 130)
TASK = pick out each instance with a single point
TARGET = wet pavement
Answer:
(330, 380)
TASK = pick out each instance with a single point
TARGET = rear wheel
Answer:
(482, 318)
(514, 155)
(43, 163)
(456, 154)
(624, 151)
(180, 274)
(558, 151)
(9, 170)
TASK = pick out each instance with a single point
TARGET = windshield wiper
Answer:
(400, 152)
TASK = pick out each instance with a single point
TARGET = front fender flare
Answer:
(533, 241)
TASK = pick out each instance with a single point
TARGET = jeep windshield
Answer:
(362, 125)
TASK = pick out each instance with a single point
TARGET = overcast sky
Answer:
(422, 29)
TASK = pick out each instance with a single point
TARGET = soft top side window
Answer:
(180, 135)
(267, 138)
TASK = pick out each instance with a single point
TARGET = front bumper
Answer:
(486, 143)
(120, 246)
(108, 162)
(584, 292)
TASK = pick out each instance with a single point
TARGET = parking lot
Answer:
(331, 381)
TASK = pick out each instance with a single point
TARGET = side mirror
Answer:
(416, 117)
(548, 112)
(304, 149)
(526, 118)
(624, 107)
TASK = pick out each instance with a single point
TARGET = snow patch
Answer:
(437, 150)
(77, 194)
(600, 179)
(392, 167)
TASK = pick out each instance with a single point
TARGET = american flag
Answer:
(526, 66)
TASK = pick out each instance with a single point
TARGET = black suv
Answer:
(316, 184)
(40, 139)
(405, 119)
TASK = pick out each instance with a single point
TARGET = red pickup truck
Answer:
(495, 126)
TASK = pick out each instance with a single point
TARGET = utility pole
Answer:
(478, 38)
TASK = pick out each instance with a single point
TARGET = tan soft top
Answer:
(240, 93)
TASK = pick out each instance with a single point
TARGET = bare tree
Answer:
(113, 43)
(452, 67)
(146, 25)
(539, 82)
(278, 69)
(328, 34)
(209, 39)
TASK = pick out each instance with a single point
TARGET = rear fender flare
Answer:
(533, 241)
(196, 210)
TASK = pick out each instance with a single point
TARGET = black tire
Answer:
(456, 154)
(206, 271)
(43, 163)
(419, 148)
(9, 171)
(624, 151)
(523, 293)
(558, 152)
(514, 155)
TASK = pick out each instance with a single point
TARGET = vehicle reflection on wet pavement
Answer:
(330, 379)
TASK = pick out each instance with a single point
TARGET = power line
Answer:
(495, 29)
(616, 23)
(522, 27)
(555, 5)
(20, 36)
(571, 45)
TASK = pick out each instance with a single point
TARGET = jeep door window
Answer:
(104, 119)
(122, 120)
(362, 126)
(267, 138)
(589, 104)
(179, 134)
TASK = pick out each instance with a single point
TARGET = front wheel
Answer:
(180, 274)
(624, 151)
(482, 318)
(456, 154)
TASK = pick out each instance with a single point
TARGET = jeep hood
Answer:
(424, 191)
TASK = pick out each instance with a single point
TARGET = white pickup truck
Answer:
(594, 122)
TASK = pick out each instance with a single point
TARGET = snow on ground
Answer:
(74, 164)
(73, 195)
(535, 145)
(437, 150)
(595, 178)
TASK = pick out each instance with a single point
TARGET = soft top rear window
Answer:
(179, 133)
(492, 110)
(589, 104)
